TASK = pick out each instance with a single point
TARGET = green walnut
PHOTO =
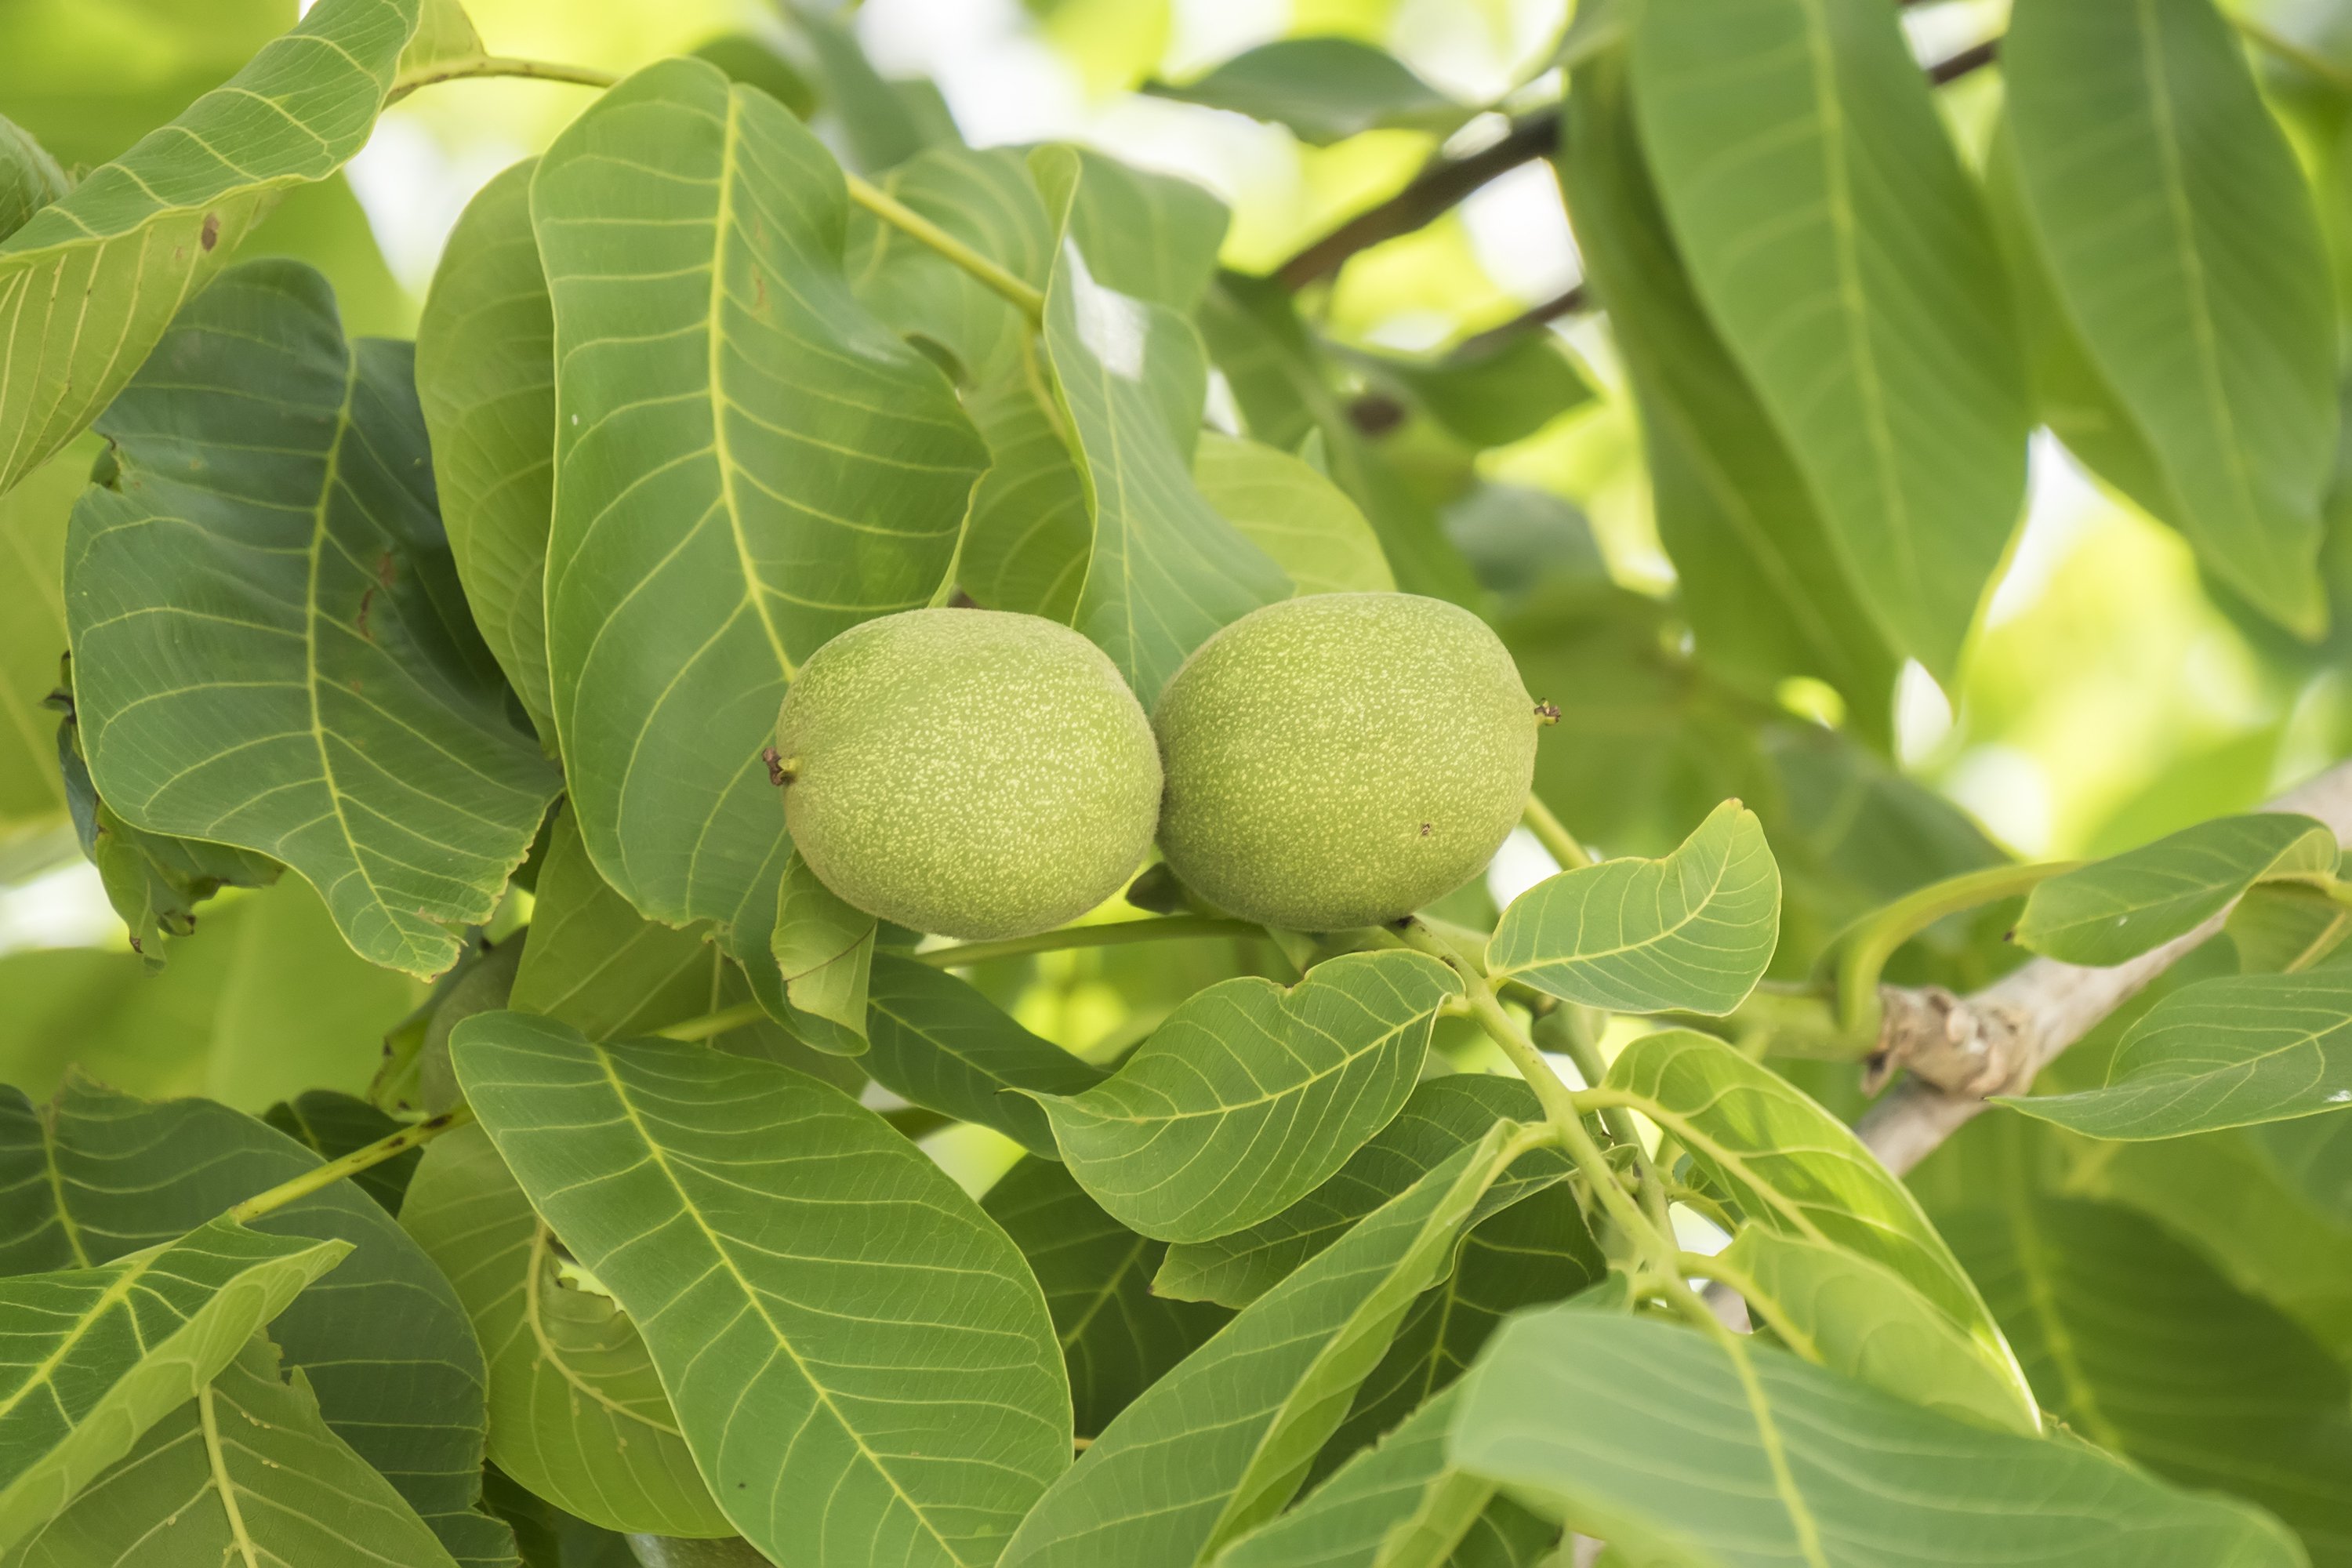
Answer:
(965, 771)
(1342, 760)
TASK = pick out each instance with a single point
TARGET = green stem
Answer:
(2334, 75)
(1025, 296)
(1566, 1024)
(467, 66)
(1160, 928)
(351, 1164)
(1870, 942)
(1553, 836)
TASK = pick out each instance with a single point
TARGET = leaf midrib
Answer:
(758, 1305)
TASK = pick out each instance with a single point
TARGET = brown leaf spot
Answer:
(360, 621)
(210, 235)
(1425, 830)
(386, 569)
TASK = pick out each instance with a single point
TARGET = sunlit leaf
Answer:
(382, 1340)
(577, 1413)
(88, 286)
(2223, 1053)
(1761, 581)
(1166, 572)
(1118, 1336)
(1290, 510)
(244, 1473)
(747, 463)
(444, 33)
(2138, 1344)
(1759, 1458)
(29, 177)
(33, 637)
(1399, 1504)
(2113, 908)
(858, 1359)
(1792, 1166)
(1325, 90)
(1859, 1317)
(486, 379)
(1221, 1444)
(95, 1355)
(1691, 932)
(939, 1043)
(270, 646)
(1249, 1096)
(881, 124)
(1442, 1117)
(1149, 235)
(2180, 237)
(1842, 253)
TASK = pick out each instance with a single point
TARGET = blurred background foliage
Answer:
(2111, 695)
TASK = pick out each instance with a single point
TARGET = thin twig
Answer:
(1554, 836)
(1431, 195)
(1974, 58)
(1568, 302)
(1959, 1048)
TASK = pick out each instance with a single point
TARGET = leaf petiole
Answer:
(351, 1164)
(1554, 836)
(465, 67)
(1866, 945)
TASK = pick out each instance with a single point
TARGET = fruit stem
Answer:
(351, 1164)
(469, 65)
(1554, 836)
(1025, 296)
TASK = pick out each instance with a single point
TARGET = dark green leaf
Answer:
(1220, 1444)
(879, 121)
(1325, 90)
(95, 1355)
(332, 1125)
(382, 1340)
(939, 1043)
(91, 282)
(2138, 1344)
(825, 948)
(1759, 1459)
(1292, 511)
(857, 1357)
(1443, 1116)
(1841, 252)
(1166, 571)
(747, 462)
(1791, 1166)
(2180, 241)
(486, 379)
(2121, 907)
(246, 1472)
(1250, 1095)
(751, 61)
(154, 881)
(1031, 533)
(1118, 1336)
(577, 1414)
(2223, 1053)
(271, 645)
(1490, 397)
(1398, 1505)
(1691, 932)
(987, 201)
(1758, 575)
(1533, 1252)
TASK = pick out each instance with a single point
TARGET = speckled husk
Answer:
(1343, 759)
(967, 773)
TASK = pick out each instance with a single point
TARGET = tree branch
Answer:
(1959, 1049)
(1433, 193)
